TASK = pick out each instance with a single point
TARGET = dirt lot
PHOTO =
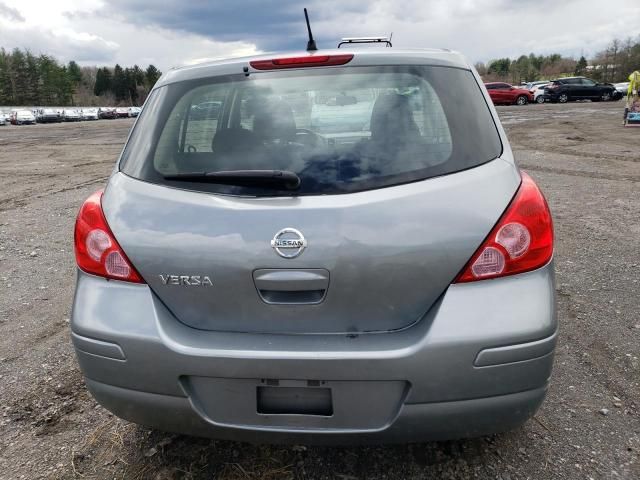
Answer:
(589, 426)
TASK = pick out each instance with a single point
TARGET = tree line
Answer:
(613, 64)
(27, 79)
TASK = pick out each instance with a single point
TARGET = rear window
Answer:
(339, 129)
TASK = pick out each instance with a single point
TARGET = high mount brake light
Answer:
(298, 62)
(97, 251)
(521, 241)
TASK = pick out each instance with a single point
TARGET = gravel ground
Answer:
(588, 428)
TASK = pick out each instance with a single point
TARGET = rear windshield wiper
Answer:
(277, 179)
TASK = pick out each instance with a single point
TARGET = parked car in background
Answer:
(569, 89)
(205, 110)
(134, 111)
(622, 88)
(538, 93)
(122, 112)
(22, 117)
(107, 113)
(71, 115)
(48, 115)
(89, 114)
(343, 117)
(530, 85)
(253, 278)
(3, 119)
(507, 94)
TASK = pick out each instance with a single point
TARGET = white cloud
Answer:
(483, 30)
(72, 30)
(63, 43)
(10, 13)
(164, 48)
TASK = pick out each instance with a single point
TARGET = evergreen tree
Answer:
(135, 82)
(103, 82)
(18, 76)
(581, 66)
(500, 66)
(536, 61)
(119, 84)
(138, 75)
(523, 70)
(62, 86)
(75, 75)
(152, 75)
(32, 85)
(6, 94)
(48, 75)
(29, 80)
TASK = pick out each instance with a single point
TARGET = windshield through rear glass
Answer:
(339, 129)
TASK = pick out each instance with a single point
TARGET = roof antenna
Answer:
(311, 44)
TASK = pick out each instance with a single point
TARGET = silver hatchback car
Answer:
(342, 250)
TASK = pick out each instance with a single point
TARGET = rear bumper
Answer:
(477, 363)
(414, 422)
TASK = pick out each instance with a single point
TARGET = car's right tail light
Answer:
(97, 251)
(521, 241)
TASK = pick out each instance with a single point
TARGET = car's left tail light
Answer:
(97, 251)
(521, 241)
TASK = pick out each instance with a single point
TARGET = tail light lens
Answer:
(521, 241)
(97, 251)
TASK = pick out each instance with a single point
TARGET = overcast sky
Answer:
(174, 32)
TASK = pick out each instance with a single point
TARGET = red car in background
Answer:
(505, 94)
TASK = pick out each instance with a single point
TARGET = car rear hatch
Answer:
(374, 261)
(380, 226)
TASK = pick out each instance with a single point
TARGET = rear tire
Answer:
(540, 99)
(521, 100)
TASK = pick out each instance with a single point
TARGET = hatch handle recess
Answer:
(292, 286)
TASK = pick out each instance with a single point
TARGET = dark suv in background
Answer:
(107, 112)
(580, 88)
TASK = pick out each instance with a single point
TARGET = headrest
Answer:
(273, 120)
(392, 116)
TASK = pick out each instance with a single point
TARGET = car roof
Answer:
(363, 57)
